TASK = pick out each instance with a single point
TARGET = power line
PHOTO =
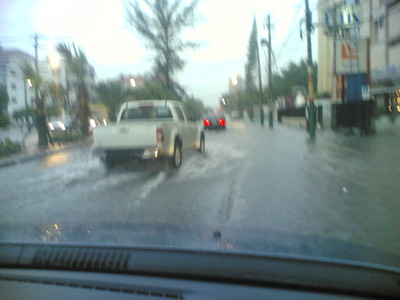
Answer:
(291, 29)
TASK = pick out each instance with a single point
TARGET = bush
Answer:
(66, 136)
(24, 114)
(324, 94)
(4, 121)
(8, 147)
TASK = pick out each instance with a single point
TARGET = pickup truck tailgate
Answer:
(135, 135)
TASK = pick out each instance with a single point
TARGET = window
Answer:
(181, 116)
(13, 86)
(13, 73)
(146, 113)
(14, 99)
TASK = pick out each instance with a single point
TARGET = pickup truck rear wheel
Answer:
(109, 162)
(176, 160)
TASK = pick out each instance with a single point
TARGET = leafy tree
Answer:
(194, 108)
(4, 120)
(111, 94)
(251, 64)
(161, 23)
(25, 113)
(78, 65)
(40, 111)
(293, 75)
(153, 90)
(4, 98)
(57, 93)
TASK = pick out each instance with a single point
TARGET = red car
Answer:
(214, 122)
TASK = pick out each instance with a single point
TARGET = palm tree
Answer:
(40, 112)
(111, 94)
(58, 96)
(78, 65)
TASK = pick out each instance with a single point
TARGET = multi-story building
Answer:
(383, 29)
(377, 21)
(55, 71)
(20, 93)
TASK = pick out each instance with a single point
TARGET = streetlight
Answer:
(235, 83)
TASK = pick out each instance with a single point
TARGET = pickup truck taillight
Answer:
(222, 122)
(160, 135)
(206, 122)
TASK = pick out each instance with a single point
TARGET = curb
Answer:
(25, 158)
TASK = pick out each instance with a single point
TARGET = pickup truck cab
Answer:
(149, 129)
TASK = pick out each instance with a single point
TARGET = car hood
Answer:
(207, 238)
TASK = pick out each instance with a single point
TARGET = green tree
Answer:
(78, 65)
(40, 111)
(24, 114)
(251, 64)
(111, 94)
(194, 108)
(293, 75)
(4, 98)
(57, 94)
(153, 90)
(161, 23)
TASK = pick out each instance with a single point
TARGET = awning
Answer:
(385, 90)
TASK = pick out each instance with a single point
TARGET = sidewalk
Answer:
(30, 142)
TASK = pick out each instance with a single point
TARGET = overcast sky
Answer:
(100, 28)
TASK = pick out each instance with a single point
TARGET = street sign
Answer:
(351, 56)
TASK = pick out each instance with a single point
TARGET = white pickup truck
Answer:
(149, 129)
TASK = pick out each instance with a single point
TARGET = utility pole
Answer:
(36, 45)
(335, 33)
(311, 104)
(41, 124)
(260, 85)
(270, 104)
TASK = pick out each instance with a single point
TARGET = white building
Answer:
(379, 21)
(54, 71)
(20, 93)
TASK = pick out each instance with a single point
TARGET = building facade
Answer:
(377, 21)
(61, 84)
(21, 95)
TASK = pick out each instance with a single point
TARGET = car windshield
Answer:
(271, 127)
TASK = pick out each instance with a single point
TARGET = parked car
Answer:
(214, 122)
(57, 124)
(149, 130)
